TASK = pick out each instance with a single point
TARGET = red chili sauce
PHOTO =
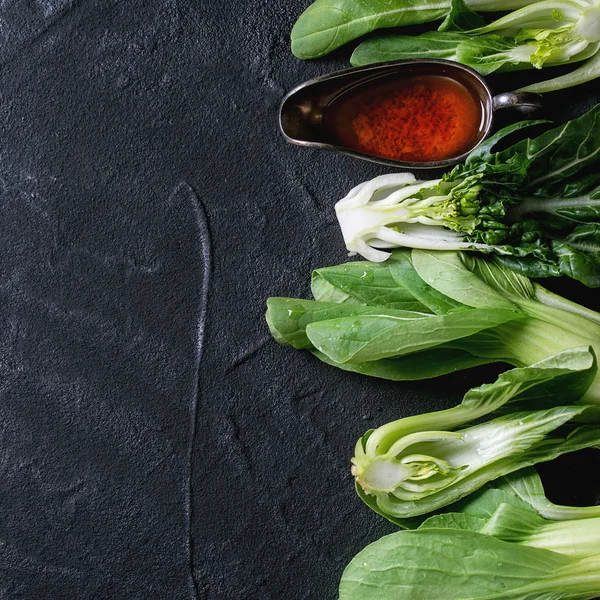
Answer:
(416, 119)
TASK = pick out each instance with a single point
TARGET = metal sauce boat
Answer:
(301, 116)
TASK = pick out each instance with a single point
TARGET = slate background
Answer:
(154, 442)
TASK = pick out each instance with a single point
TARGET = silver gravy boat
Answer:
(301, 112)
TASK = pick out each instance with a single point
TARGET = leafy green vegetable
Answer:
(574, 538)
(486, 53)
(421, 365)
(522, 489)
(457, 564)
(551, 158)
(524, 204)
(461, 18)
(512, 510)
(465, 311)
(328, 24)
(546, 33)
(419, 464)
(363, 282)
(431, 44)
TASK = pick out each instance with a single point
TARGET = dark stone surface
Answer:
(143, 184)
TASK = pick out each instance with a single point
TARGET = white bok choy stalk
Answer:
(396, 210)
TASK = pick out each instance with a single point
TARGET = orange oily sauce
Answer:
(416, 119)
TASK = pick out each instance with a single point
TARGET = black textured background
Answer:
(154, 442)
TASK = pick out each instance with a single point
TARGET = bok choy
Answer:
(419, 464)
(528, 204)
(546, 33)
(430, 564)
(493, 544)
(328, 24)
(422, 314)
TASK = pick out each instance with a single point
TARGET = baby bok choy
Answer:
(546, 33)
(422, 314)
(527, 204)
(430, 564)
(420, 464)
(328, 24)
(494, 544)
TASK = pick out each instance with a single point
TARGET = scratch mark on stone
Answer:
(310, 195)
(298, 181)
(51, 21)
(204, 238)
(234, 435)
(319, 392)
(248, 354)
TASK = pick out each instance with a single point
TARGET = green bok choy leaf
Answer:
(522, 489)
(546, 33)
(465, 311)
(328, 24)
(514, 555)
(526, 487)
(472, 550)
